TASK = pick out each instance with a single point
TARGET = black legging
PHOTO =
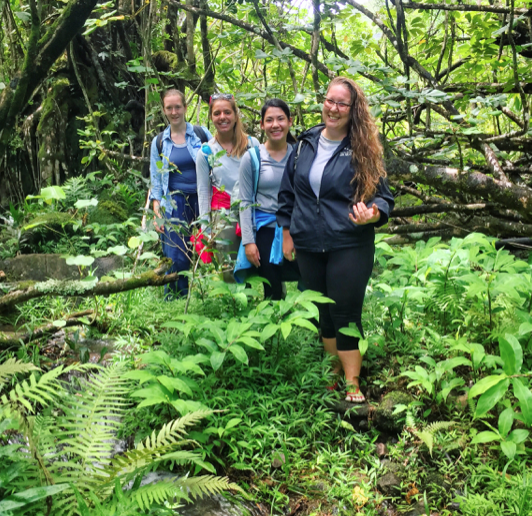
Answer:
(342, 276)
(275, 274)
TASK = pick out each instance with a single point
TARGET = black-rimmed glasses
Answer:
(342, 106)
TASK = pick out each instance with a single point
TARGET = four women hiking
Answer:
(307, 210)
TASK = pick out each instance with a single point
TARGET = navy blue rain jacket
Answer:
(322, 224)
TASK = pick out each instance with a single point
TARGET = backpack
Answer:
(254, 152)
(200, 133)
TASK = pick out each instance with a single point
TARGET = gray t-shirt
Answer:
(326, 149)
(271, 173)
(224, 173)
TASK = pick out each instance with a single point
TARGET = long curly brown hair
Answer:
(366, 147)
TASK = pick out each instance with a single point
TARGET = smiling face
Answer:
(223, 117)
(276, 124)
(175, 110)
(337, 110)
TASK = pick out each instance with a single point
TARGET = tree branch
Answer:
(501, 9)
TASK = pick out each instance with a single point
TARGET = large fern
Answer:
(13, 366)
(76, 447)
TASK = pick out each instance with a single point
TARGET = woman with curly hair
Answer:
(333, 194)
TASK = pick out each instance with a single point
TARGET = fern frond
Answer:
(438, 425)
(181, 489)
(173, 431)
(207, 485)
(91, 419)
(471, 402)
(427, 434)
(13, 366)
(410, 420)
(427, 438)
(43, 391)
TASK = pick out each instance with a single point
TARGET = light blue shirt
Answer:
(159, 175)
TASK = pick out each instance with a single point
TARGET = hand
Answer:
(156, 217)
(364, 215)
(252, 254)
(159, 229)
(289, 251)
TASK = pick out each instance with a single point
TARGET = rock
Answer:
(384, 418)
(41, 267)
(389, 484)
(392, 467)
(418, 509)
(278, 459)
(43, 229)
(107, 212)
(382, 450)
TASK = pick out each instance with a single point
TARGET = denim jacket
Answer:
(160, 176)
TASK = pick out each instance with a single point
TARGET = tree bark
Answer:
(41, 54)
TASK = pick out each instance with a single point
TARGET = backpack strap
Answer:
(207, 151)
(255, 173)
(298, 150)
(201, 134)
(159, 143)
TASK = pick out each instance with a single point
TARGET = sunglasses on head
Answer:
(218, 96)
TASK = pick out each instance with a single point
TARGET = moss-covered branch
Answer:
(153, 278)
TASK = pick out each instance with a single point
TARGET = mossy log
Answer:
(21, 294)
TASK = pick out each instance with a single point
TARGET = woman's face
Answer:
(337, 109)
(174, 109)
(276, 124)
(223, 117)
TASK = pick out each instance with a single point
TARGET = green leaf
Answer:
(133, 242)
(148, 256)
(485, 437)
(352, 331)
(509, 448)
(304, 323)
(174, 384)
(80, 260)
(59, 323)
(523, 394)
(511, 354)
(269, 331)
(119, 250)
(286, 328)
(363, 346)
(217, 359)
(250, 342)
(29, 496)
(84, 203)
(491, 397)
(485, 384)
(259, 54)
(232, 422)
(518, 436)
(239, 353)
(506, 420)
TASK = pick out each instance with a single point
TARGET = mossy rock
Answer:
(115, 196)
(107, 212)
(384, 417)
(44, 228)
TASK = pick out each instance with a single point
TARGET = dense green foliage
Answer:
(448, 323)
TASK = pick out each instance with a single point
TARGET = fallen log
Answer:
(153, 278)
